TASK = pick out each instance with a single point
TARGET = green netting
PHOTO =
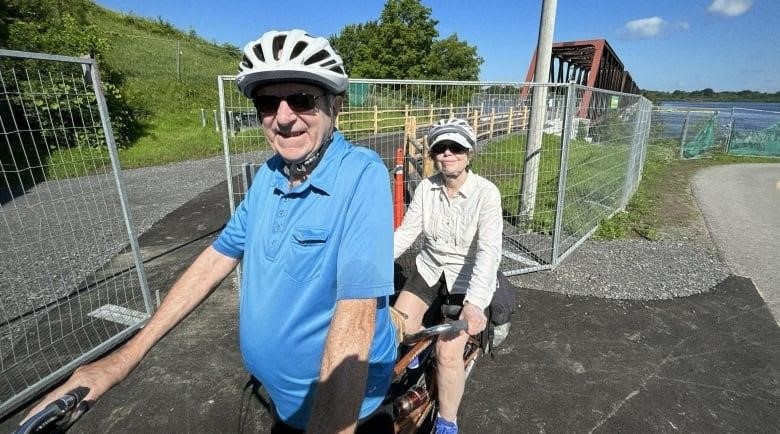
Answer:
(764, 142)
(703, 142)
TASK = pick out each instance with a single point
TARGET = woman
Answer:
(459, 216)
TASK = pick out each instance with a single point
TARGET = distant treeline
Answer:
(710, 95)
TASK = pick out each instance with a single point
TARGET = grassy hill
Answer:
(168, 76)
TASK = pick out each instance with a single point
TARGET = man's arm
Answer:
(344, 369)
(194, 285)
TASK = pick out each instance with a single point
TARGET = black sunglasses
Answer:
(455, 148)
(299, 102)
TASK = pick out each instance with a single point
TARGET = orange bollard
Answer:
(398, 189)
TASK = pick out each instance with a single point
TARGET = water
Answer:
(744, 116)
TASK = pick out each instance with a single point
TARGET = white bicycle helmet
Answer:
(291, 55)
(452, 130)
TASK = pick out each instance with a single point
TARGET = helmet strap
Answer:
(302, 170)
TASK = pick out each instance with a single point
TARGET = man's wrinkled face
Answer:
(295, 118)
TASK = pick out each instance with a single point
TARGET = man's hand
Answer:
(98, 376)
(475, 317)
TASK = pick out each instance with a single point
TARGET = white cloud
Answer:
(643, 28)
(650, 28)
(730, 8)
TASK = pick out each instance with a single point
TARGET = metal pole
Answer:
(536, 124)
(120, 185)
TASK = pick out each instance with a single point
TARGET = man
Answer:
(314, 233)
(458, 213)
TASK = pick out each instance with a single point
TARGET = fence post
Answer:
(563, 170)
(684, 134)
(492, 122)
(376, 119)
(203, 117)
(178, 60)
(216, 122)
(509, 123)
(731, 131)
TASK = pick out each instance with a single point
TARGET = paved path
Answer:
(741, 205)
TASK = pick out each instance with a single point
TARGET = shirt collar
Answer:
(324, 175)
(467, 189)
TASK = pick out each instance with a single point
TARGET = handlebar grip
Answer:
(68, 401)
(448, 327)
(459, 325)
(57, 409)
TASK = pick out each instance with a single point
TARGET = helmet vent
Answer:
(245, 63)
(278, 45)
(298, 48)
(317, 57)
(258, 50)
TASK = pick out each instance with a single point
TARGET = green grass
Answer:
(172, 137)
(592, 179)
(167, 91)
(663, 197)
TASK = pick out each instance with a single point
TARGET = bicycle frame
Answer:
(414, 389)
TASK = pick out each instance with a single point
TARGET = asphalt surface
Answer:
(707, 362)
(741, 206)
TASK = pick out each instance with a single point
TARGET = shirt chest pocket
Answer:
(303, 261)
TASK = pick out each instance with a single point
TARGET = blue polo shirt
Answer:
(328, 239)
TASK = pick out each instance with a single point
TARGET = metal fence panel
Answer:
(753, 132)
(604, 133)
(703, 132)
(602, 164)
(72, 283)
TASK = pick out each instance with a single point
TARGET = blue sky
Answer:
(726, 45)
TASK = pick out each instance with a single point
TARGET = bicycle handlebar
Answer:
(62, 412)
(446, 328)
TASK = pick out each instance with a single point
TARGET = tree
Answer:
(452, 59)
(403, 44)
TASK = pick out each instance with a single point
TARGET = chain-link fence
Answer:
(71, 281)
(589, 160)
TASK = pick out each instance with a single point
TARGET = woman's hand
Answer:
(475, 317)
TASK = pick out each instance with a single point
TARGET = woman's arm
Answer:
(482, 283)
